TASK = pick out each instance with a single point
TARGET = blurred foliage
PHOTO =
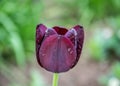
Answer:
(116, 70)
(113, 77)
(96, 46)
(36, 79)
(18, 19)
(106, 44)
(84, 12)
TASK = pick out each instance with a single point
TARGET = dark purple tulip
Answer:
(58, 49)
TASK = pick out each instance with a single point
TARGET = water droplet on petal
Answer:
(59, 37)
(43, 54)
(69, 49)
(79, 46)
(71, 52)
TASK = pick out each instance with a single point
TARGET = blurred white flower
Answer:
(114, 82)
(107, 33)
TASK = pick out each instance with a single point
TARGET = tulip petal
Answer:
(49, 32)
(72, 35)
(40, 32)
(60, 30)
(57, 53)
(80, 39)
(76, 35)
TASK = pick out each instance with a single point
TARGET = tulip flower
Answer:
(58, 49)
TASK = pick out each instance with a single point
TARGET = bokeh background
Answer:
(99, 64)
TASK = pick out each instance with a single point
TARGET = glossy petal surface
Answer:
(40, 32)
(76, 35)
(57, 54)
(49, 32)
(72, 35)
(79, 40)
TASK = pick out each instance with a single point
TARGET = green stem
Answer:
(55, 79)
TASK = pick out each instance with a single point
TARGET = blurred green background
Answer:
(100, 60)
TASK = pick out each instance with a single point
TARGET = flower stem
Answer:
(55, 79)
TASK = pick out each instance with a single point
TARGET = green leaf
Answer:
(14, 38)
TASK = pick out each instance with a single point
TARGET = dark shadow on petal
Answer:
(60, 30)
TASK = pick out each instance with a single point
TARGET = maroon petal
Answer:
(76, 35)
(72, 35)
(49, 32)
(40, 32)
(60, 30)
(80, 39)
(57, 53)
